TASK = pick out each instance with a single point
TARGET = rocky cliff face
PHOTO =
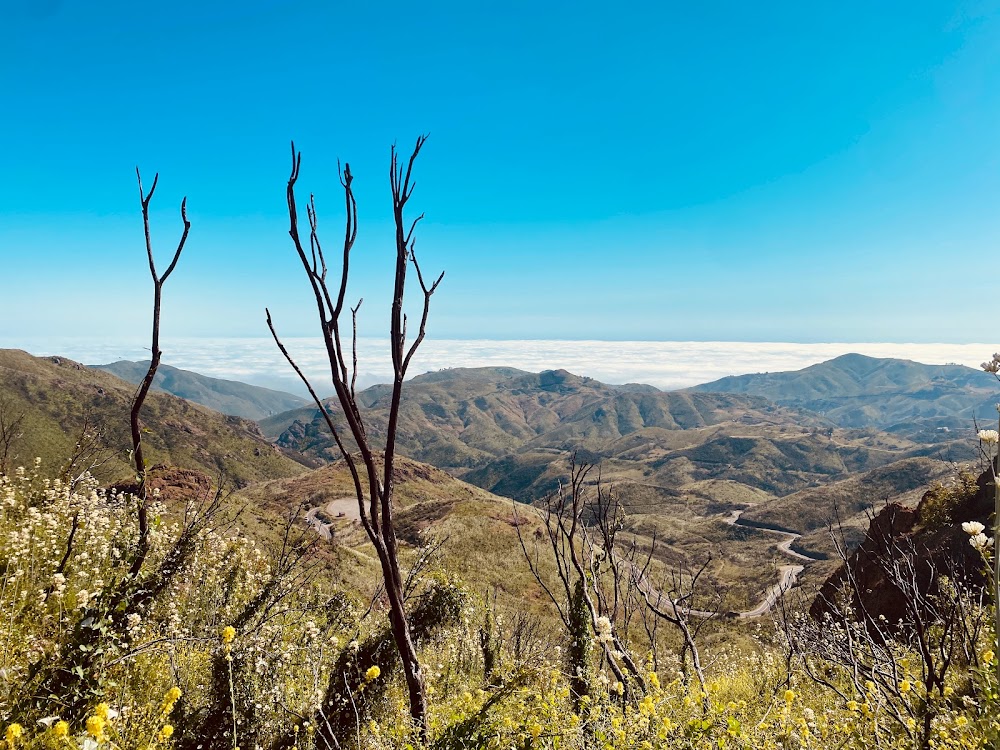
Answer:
(907, 552)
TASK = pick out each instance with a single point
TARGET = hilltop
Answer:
(899, 396)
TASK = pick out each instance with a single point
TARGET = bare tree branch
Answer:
(154, 363)
(375, 502)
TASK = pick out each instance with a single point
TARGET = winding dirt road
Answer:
(788, 575)
(344, 507)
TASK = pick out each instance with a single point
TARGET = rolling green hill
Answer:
(913, 399)
(463, 419)
(225, 396)
(58, 397)
(513, 433)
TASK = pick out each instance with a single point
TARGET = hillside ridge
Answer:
(857, 391)
(60, 399)
(230, 397)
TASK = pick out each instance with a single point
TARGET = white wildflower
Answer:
(989, 436)
(133, 621)
(603, 630)
(973, 527)
(981, 542)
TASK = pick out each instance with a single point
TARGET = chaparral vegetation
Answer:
(232, 641)
(166, 611)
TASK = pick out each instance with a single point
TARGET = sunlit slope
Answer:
(853, 390)
(58, 397)
(225, 396)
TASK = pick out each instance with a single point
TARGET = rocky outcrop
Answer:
(172, 485)
(906, 551)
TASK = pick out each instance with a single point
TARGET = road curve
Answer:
(789, 573)
(788, 576)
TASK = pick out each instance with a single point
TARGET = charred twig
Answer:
(154, 363)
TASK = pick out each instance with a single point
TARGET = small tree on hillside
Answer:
(373, 479)
(596, 602)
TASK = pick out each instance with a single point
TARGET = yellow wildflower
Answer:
(962, 722)
(654, 680)
(988, 656)
(789, 696)
(228, 634)
(169, 699)
(95, 727)
(61, 729)
(646, 707)
(372, 673)
(102, 710)
(167, 732)
(904, 686)
(535, 729)
(13, 734)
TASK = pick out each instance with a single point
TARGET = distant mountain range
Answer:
(463, 418)
(513, 433)
(225, 396)
(681, 462)
(908, 398)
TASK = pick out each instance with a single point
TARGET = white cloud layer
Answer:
(664, 364)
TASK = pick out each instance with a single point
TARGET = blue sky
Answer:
(786, 171)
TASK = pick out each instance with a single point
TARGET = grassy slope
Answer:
(480, 532)
(681, 462)
(891, 394)
(480, 538)
(57, 395)
(225, 396)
